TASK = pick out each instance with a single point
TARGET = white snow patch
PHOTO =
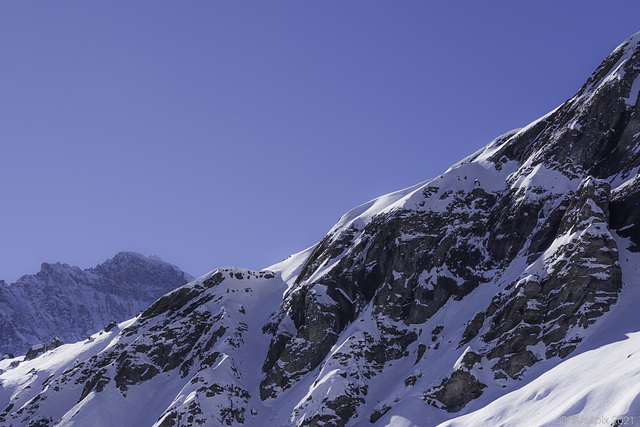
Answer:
(633, 94)
(458, 363)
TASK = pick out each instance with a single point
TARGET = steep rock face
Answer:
(538, 197)
(433, 300)
(574, 281)
(70, 303)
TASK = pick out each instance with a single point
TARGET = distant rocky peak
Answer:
(67, 301)
(46, 267)
(127, 257)
(59, 272)
(123, 262)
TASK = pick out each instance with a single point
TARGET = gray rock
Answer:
(70, 303)
(34, 351)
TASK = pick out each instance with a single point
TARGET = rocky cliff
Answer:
(416, 308)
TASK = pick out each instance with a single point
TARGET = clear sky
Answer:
(223, 132)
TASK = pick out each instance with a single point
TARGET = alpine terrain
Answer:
(503, 292)
(61, 303)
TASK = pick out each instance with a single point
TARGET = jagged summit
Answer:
(67, 301)
(434, 304)
(128, 257)
(131, 269)
(593, 132)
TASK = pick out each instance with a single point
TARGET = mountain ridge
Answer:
(455, 301)
(70, 303)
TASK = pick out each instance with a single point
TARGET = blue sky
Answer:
(219, 133)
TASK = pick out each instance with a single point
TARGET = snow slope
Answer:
(598, 385)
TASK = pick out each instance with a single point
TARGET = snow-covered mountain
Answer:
(70, 303)
(502, 292)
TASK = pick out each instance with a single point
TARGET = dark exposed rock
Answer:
(455, 392)
(96, 383)
(34, 351)
(57, 342)
(174, 301)
(581, 281)
(367, 273)
(168, 420)
(421, 349)
(378, 413)
(624, 211)
(473, 328)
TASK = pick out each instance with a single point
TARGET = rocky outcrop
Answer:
(34, 351)
(455, 392)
